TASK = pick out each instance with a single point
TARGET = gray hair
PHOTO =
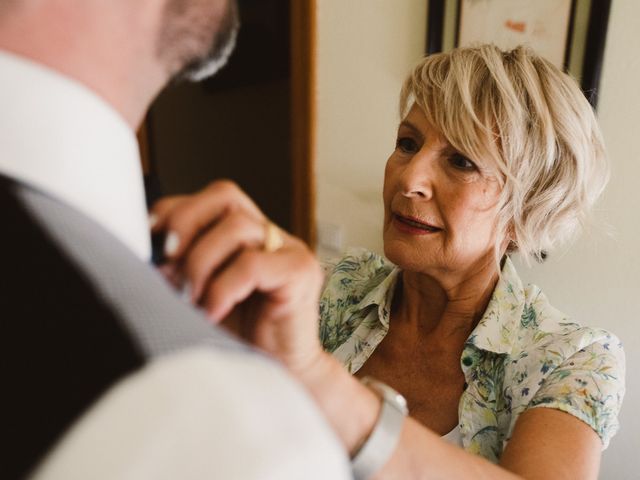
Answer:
(530, 121)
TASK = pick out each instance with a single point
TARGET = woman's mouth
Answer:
(413, 226)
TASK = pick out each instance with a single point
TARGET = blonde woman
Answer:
(497, 152)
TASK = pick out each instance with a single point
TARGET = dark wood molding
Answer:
(594, 49)
(435, 26)
(569, 40)
(303, 119)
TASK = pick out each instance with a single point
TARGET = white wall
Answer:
(598, 280)
(365, 47)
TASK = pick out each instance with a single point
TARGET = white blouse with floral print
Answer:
(522, 354)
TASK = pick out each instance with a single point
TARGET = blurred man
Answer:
(107, 373)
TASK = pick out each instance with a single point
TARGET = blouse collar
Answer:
(496, 329)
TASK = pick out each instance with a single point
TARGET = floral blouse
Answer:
(522, 354)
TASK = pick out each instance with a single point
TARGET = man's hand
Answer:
(215, 243)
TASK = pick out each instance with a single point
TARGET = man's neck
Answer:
(75, 42)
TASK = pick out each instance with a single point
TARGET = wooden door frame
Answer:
(303, 119)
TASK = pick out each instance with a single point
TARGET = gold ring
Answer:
(273, 239)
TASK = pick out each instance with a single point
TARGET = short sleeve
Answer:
(589, 385)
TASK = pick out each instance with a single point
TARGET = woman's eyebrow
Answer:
(412, 127)
(445, 147)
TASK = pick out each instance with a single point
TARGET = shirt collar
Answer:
(496, 328)
(501, 320)
(61, 138)
(382, 295)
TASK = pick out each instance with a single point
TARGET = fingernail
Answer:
(168, 270)
(153, 220)
(213, 316)
(194, 293)
(171, 244)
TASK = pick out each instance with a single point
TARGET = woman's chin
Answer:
(407, 256)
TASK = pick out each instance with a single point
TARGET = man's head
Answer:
(125, 51)
(196, 37)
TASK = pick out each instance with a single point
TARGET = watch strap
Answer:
(379, 446)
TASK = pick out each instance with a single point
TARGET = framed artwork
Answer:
(569, 33)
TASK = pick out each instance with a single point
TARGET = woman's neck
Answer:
(447, 309)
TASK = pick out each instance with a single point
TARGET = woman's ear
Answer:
(510, 245)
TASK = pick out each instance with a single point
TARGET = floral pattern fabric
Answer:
(523, 353)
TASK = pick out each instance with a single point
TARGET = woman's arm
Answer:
(220, 253)
(546, 443)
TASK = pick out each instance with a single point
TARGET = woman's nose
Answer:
(417, 177)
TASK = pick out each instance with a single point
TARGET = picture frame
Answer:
(570, 33)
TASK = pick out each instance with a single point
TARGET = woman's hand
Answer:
(215, 244)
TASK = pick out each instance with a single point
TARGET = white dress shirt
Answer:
(195, 414)
(188, 417)
(61, 138)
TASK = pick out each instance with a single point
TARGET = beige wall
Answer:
(597, 281)
(365, 49)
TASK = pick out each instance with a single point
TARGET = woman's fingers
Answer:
(184, 218)
(233, 258)
(161, 210)
(172, 274)
(210, 251)
(289, 279)
(233, 285)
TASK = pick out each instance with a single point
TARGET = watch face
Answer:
(401, 402)
(379, 446)
(387, 393)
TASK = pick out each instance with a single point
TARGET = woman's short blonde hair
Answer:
(528, 120)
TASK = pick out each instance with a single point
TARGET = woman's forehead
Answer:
(416, 114)
(417, 120)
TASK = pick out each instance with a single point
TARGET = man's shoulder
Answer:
(81, 301)
(228, 402)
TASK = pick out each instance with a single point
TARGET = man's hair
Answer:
(194, 41)
(531, 122)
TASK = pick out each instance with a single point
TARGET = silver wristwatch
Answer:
(377, 449)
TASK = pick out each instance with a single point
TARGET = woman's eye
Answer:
(461, 162)
(407, 145)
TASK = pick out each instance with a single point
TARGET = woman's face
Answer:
(440, 207)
